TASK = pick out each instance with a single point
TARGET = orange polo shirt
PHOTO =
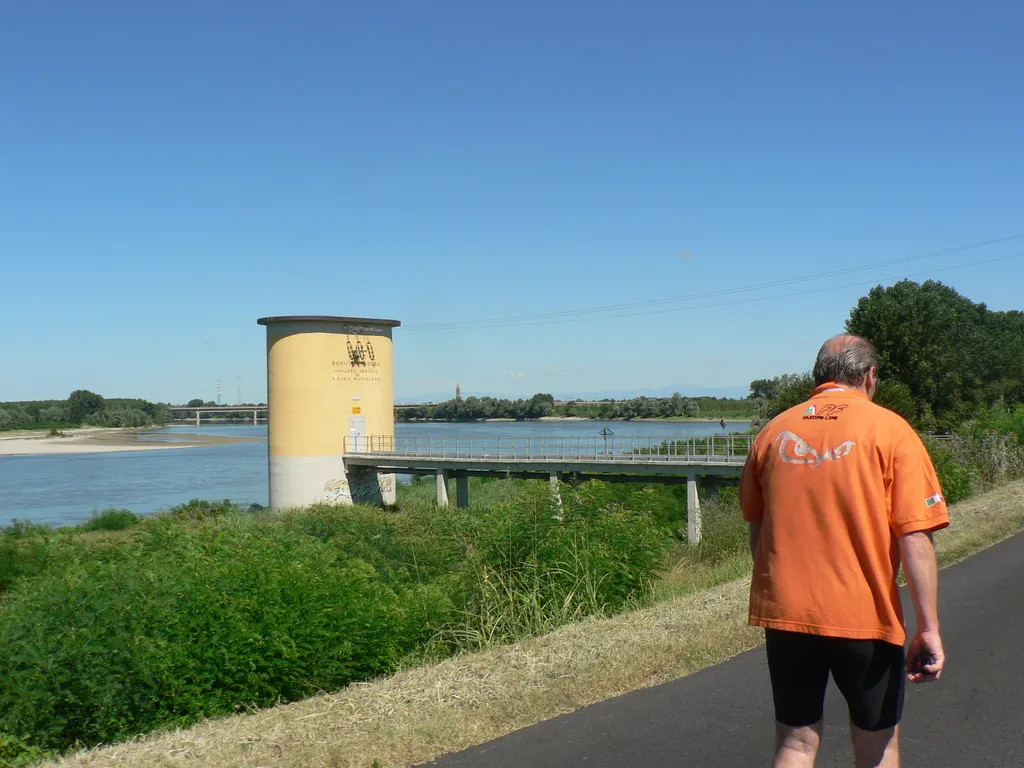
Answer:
(836, 481)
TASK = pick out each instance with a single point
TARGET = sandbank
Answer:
(103, 440)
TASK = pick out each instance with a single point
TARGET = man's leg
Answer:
(876, 749)
(796, 747)
(798, 667)
(870, 674)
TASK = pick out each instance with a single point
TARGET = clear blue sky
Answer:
(169, 172)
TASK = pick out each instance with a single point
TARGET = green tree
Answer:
(82, 404)
(676, 405)
(790, 389)
(540, 405)
(896, 396)
(932, 340)
(54, 413)
(195, 403)
(763, 389)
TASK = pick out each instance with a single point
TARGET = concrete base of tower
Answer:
(301, 481)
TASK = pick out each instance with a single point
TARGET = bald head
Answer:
(845, 360)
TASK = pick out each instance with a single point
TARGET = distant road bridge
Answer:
(189, 413)
(255, 410)
(693, 460)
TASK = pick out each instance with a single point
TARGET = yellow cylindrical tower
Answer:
(330, 389)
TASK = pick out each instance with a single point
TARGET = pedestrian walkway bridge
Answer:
(709, 460)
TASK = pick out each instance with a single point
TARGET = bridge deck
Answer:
(717, 455)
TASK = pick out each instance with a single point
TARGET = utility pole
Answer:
(238, 398)
(218, 391)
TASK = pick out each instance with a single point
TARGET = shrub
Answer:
(957, 480)
(193, 623)
(110, 520)
(15, 752)
(199, 509)
(1000, 419)
(24, 551)
(211, 609)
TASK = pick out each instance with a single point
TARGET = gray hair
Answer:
(845, 360)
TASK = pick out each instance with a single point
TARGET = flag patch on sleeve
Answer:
(931, 501)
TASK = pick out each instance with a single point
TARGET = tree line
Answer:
(943, 359)
(82, 408)
(543, 405)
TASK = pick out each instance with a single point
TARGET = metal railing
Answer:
(731, 449)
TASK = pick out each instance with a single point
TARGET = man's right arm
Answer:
(921, 568)
(751, 497)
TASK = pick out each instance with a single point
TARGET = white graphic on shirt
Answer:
(793, 449)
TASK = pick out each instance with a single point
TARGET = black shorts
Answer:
(869, 673)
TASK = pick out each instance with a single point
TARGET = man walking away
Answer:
(837, 491)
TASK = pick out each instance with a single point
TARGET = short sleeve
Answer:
(917, 500)
(751, 497)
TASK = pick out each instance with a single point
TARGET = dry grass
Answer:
(419, 714)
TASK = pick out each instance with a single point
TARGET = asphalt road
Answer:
(722, 717)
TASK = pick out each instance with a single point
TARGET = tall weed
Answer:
(537, 565)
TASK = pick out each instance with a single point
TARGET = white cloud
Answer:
(515, 375)
(557, 370)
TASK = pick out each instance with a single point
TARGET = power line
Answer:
(526, 319)
(748, 300)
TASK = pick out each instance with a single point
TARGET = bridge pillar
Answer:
(442, 487)
(462, 490)
(254, 421)
(693, 521)
(197, 418)
(554, 478)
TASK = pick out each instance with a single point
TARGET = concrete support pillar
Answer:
(254, 421)
(364, 484)
(442, 488)
(197, 418)
(554, 478)
(462, 490)
(693, 521)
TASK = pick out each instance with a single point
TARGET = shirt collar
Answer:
(831, 388)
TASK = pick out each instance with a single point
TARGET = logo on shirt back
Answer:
(827, 413)
(793, 449)
(931, 501)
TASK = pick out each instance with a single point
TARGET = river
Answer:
(62, 490)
